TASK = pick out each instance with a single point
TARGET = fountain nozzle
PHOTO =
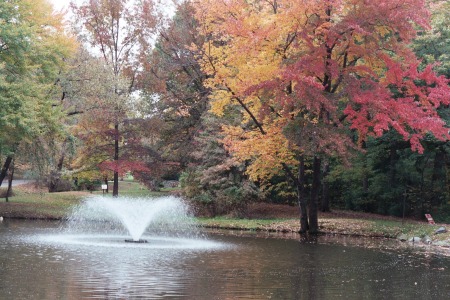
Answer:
(140, 241)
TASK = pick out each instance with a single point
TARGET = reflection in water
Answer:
(35, 264)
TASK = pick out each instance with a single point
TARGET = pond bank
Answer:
(261, 217)
(420, 233)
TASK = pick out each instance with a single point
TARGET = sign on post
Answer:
(429, 218)
(104, 187)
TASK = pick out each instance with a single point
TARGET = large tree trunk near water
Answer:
(302, 203)
(299, 182)
(314, 201)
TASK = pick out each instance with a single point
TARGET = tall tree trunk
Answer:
(105, 179)
(11, 177)
(302, 203)
(116, 160)
(299, 182)
(55, 175)
(5, 168)
(325, 189)
(313, 205)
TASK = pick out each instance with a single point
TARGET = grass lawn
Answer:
(40, 205)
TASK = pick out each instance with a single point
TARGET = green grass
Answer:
(40, 205)
(395, 228)
(233, 223)
(380, 228)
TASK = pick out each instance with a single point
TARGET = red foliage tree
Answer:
(323, 66)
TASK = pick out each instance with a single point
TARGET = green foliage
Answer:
(389, 178)
(216, 181)
(33, 49)
(190, 183)
(84, 183)
(433, 46)
(281, 191)
(397, 180)
(223, 197)
(442, 213)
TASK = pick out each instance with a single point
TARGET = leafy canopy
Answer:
(314, 68)
(33, 47)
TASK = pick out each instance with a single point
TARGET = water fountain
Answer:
(162, 221)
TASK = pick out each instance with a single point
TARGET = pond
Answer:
(35, 263)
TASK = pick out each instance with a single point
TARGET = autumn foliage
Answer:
(315, 71)
(340, 62)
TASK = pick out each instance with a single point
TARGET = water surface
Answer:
(36, 264)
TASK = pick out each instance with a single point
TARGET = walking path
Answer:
(16, 182)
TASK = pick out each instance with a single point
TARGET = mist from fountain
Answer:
(132, 216)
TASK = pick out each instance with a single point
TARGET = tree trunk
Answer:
(55, 175)
(325, 189)
(313, 205)
(299, 182)
(304, 225)
(106, 183)
(116, 160)
(11, 177)
(5, 168)
(53, 181)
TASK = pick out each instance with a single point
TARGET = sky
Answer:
(60, 4)
(167, 5)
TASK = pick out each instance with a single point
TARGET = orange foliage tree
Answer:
(121, 31)
(304, 72)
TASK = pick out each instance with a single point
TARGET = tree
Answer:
(215, 179)
(317, 68)
(33, 46)
(432, 46)
(91, 90)
(121, 31)
(189, 137)
(173, 77)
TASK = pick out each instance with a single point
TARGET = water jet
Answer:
(163, 220)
